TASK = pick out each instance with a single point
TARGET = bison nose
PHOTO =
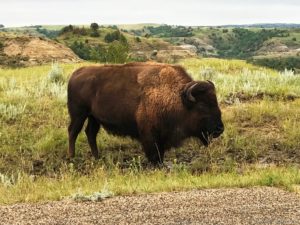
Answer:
(218, 131)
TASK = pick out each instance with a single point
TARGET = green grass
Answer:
(25, 188)
(261, 128)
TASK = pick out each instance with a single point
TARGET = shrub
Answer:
(95, 33)
(80, 31)
(81, 49)
(52, 34)
(115, 36)
(67, 29)
(281, 63)
(10, 112)
(138, 39)
(56, 74)
(225, 30)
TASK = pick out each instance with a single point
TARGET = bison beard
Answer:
(158, 104)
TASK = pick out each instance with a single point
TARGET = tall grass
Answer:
(235, 76)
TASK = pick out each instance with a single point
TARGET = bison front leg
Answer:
(154, 151)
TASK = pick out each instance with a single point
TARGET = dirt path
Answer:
(216, 206)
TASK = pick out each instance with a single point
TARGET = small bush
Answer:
(225, 31)
(6, 180)
(80, 31)
(138, 39)
(115, 36)
(81, 49)
(95, 33)
(94, 197)
(67, 29)
(55, 75)
(10, 112)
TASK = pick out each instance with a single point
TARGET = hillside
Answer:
(276, 46)
(24, 50)
(138, 48)
(272, 47)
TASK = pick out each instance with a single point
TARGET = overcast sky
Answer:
(186, 12)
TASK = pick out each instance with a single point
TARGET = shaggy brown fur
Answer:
(158, 104)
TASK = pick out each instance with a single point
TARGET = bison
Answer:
(160, 105)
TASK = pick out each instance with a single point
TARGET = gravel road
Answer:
(259, 206)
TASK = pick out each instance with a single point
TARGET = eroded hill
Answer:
(25, 50)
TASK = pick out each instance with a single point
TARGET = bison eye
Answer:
(202, 107)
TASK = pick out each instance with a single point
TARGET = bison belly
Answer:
(115, 107)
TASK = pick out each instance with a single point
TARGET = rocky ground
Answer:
(216, 206)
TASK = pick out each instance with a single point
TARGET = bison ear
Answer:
(194, 89)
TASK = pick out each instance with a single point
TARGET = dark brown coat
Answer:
(158, 104)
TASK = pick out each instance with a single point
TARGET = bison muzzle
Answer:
(158, 104)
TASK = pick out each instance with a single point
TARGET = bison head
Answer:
(203, 113)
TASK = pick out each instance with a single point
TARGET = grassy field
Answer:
(260, 145)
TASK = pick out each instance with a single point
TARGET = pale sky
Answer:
(174, 12)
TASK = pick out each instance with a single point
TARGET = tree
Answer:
(117, 52)
(1, 26)
(94, 26)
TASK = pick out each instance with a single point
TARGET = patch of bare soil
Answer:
(29, 50)
(215, 206)
(161, 51)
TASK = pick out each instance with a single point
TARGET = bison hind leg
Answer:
(74, 128)
(91, 132)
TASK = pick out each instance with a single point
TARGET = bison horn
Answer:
(189, 93)
(211, 83)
